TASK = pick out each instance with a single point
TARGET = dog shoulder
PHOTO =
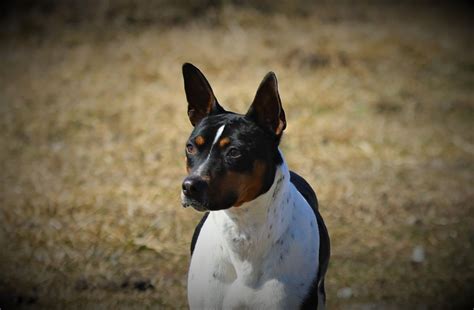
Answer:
(317, 290)
(305, 189)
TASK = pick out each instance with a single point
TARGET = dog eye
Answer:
(190, 149)
(234, 153)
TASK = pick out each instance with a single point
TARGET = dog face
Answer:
(230, 158)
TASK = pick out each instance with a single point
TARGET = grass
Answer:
(379, 105)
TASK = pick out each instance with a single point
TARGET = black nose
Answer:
(194, 187)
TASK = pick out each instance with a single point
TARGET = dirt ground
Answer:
(380, 108)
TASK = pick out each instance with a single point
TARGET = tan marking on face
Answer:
(224, 141)
(247, 186)
(199, 140)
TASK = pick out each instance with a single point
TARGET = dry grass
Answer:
(380, 112)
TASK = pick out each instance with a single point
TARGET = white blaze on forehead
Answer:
(216, 138)
(218, 135)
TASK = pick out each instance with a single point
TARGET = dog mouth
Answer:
(187, 202)
(206, 204)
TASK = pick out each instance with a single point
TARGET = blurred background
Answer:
(380, 109)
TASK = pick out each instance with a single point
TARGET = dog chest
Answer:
(256, 267)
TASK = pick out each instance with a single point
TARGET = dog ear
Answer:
(266, 109)
(201, 99)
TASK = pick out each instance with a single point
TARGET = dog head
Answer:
(230, 158)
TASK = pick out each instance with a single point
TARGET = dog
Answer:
(261, 243)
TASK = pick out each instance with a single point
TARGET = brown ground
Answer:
(380, 113)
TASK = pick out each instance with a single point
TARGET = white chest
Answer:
(262, 255)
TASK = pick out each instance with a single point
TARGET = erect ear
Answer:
(266, 109)
(201, 99)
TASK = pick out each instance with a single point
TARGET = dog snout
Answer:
(194, 187)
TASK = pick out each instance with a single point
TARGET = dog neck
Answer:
(250, 230)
